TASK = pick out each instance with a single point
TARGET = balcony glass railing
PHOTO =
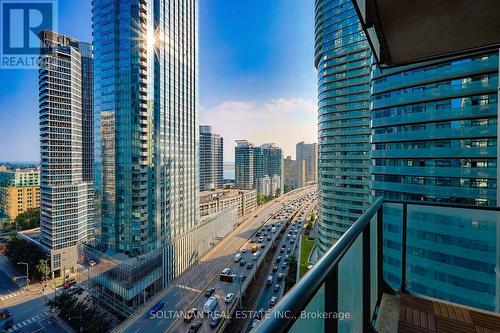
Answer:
(443, 251)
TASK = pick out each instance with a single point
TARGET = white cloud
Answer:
(282, 121)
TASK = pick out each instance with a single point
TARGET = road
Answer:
(268, 239)
(189, 285)
(280, 267)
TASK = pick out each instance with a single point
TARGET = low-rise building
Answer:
(19, 191)
(215, 201)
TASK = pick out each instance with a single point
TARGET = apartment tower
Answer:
(66, 208)
(342, 58)
(146, 122)
(211, 159)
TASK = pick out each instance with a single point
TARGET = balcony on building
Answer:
(402, 267)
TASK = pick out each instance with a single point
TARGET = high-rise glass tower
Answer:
(434, 138)
(66, 208)
(146, 122)
(342, 58)
(211, 159)
(244, 164)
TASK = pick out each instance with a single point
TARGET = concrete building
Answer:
(211, 159)
(308, 152)
(342, 58)
(66, 208)
(244, 164)
(293, 174)
(214, 201)
(19, 191)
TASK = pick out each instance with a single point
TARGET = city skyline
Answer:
(275, 81)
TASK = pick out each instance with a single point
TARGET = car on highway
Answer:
(269, 280)
(209, 291)
(244, 250)
(237, 257)
(282, 250)
(157, 307)
(190, 315)
(92, 263)
(243, 263)
(249, 265)
(226, 271)
(278, 258)
(273, 300)
(275, 269)
(229, 298)
(280, 276)
(283, 265)
(288, 250)
(210, 304)
(292, 241)
(256, 255)
(242, 278)
(215, 319)
(276, 287)
(194, 327)
(287, 257)
(255, 322)
(69, 283)
(268, 238)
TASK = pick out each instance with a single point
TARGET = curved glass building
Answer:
(434, 131)
(342, 58)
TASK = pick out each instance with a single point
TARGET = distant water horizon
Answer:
(229, 170)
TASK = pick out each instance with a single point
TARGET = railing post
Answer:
(367, 316)
(380, 252)
(332, 301)
(403, 247)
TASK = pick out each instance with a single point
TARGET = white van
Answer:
(237, 257)
(256, 255)
(210, 304)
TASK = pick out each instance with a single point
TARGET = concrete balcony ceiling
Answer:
(402, 32)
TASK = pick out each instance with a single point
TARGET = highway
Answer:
(280, 265)
(181, 293)
(262, 242)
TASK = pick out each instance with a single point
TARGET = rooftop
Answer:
(207, 196)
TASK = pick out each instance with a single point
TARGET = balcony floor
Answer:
(425, 315)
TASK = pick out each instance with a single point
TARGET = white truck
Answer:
(237, 257)
(210, 304)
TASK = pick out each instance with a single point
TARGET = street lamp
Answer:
(23, 263)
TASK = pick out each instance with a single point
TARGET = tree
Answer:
(260, 199)
(28, 220)
(278, 192)
(78, 315)
(19, 250)
(292, 273)
(43, 268)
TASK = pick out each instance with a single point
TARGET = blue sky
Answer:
(257, 79)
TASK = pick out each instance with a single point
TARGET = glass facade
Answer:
(434, 131)
(342, 58)
(146, 131)
(211, 159)
(434, 138)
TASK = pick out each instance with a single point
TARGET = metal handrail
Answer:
(288, 309)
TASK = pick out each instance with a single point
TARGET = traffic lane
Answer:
(223, 288)
(7, 286)
(268, 292)
(141, 325)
